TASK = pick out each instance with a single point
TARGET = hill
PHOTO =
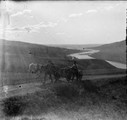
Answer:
(18, 56)
(74, 46)
(113, 52)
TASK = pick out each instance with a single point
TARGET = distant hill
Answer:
(113, 52)
(38, 50)
(74, 46)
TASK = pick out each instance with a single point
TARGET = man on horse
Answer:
(74, 68)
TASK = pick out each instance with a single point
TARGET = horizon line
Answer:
(61, 43)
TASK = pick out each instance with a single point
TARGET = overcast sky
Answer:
(63, 22)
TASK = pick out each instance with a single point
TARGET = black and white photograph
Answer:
(63, 60)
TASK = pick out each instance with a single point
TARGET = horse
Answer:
(35, 68)
(69, 73)
(51, 71)
(56, 72)
(66, 72)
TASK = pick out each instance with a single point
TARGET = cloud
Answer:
(66, 19)
(15, 29)
(50, 24)
(75, 15)
(62, 19)
(30, 28)
(109, 7)
(21, 13)
(60, 33)
(45, 25)
(91, 11)
(112, 6)
(19, 29)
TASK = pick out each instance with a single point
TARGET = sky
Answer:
(63, 22)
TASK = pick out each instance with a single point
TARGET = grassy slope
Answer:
(19, 55)
(71, 102)
(114, 52)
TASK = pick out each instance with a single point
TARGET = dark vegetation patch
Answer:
(13, 106)
(65, 91)
(110, 81)
(89, 86)
(116, 88)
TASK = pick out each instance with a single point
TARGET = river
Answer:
(85, 55)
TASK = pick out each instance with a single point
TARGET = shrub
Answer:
(13, 106)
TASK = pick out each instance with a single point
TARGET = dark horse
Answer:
(70, 73)
(51, 71)
(78, 74)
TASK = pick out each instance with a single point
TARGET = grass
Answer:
(72, 101)
(113, 52)
(11, 78)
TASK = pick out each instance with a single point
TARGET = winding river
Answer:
(85, 55)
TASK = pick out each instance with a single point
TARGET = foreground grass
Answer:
(77, 101)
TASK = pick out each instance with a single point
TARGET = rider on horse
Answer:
(74, 67)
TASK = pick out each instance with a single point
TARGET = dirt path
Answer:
(23, 89)
(20, 89)
(93, 77)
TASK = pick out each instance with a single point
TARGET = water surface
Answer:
(85, 55)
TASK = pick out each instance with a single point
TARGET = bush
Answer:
(13, 106)
(66, 91)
